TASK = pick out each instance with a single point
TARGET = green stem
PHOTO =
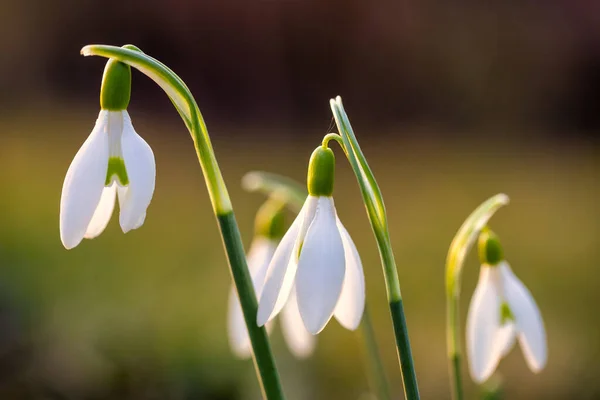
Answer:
(454, 356)
(186, 105)
(334, 136)
(492, 389)
(460, 246)
(377, 376)
(373, 200)
(265, 364)
(411, 388)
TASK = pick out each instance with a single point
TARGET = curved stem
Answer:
(334, 136)
(184, 102)
(462, 242)
(373, 200)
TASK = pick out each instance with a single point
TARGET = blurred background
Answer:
(451, 102)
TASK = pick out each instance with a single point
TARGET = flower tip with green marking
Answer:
(316, 264)
(502, 310)
(113, 162)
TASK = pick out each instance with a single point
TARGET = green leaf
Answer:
(466, 237)
(269, 183)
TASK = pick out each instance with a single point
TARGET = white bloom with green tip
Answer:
(502, 310)
(113, 162)
(316, 260)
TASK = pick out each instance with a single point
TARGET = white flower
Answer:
(318, 260)
(300, 342)
(502, 310)
(113, 161)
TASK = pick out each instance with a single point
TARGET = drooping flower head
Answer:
(269, 228)
(114, 161)
(502, 311)
(316, 264)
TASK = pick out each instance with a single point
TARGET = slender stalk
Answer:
(462, 242)
(454, 356)
(373, 200)
(294, 194)
(260, 345)
(378, 378)
(186, 105)
(411, 388)
(492, 389)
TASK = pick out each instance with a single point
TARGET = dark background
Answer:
(533, 64)
(451, 102)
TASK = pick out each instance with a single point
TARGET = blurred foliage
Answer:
(492, 389)
(142, 315)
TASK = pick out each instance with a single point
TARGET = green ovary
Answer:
(490, 249)
(115, 91)
(321, 172)
(116, 166)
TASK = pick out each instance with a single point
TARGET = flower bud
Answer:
(270, 220)
(321, 172)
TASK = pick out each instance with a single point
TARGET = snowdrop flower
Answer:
(316, 265)
(502, 310)
(114, 161)
(268, 231)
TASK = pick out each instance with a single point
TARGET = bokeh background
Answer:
(451, 102)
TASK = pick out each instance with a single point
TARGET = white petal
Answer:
(528, 320)
(260, 254)
(298, 339)
(236, 328)
(103, 212)
(309, 215)
(321, 268)
(483, 322)
(84, 184)
(140, 221)
(505, 338)
(141, 171)
(282, 269)
(350, 306)
(259, 257)
(239, 340)
(122, 196)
